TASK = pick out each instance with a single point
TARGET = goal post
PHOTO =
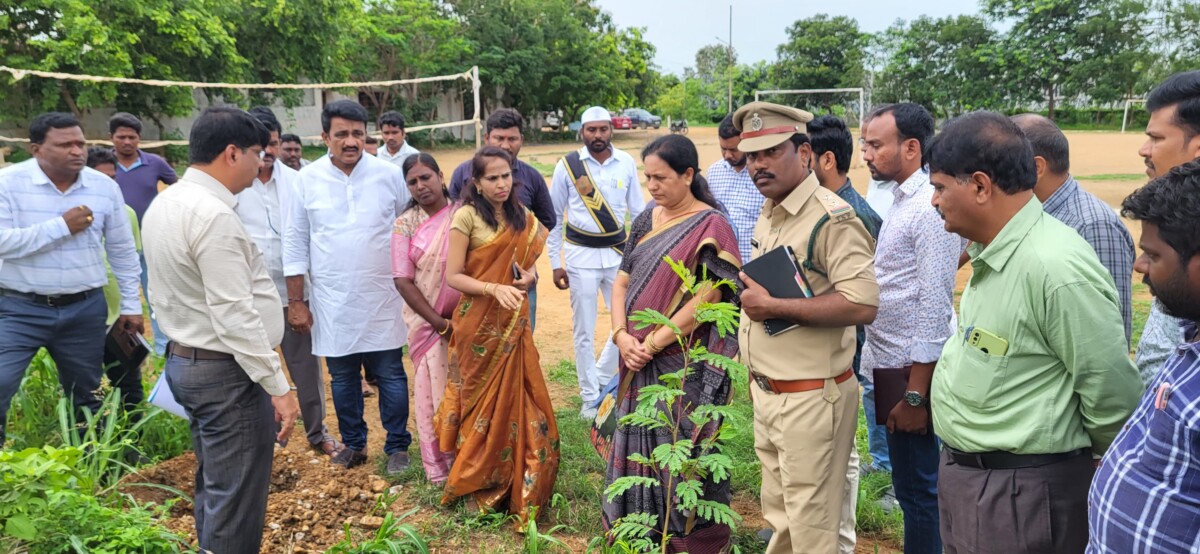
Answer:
(862, 107)
(307, 130)
(1129, 102)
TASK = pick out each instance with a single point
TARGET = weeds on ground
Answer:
(49, 505)
(393, 536)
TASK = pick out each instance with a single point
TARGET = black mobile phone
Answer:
(516, 272)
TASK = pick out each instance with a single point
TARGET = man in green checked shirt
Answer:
(1036, 379)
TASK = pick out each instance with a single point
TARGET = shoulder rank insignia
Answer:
(838, 209)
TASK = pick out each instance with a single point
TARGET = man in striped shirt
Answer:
(1146, 493)
(58, 219)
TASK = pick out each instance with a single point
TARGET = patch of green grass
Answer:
(1141, 311)
(1113, 177)
(546, 169)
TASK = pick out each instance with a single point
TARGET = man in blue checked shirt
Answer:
(1063, 198)
(731, 185)
(57, 220)
(1146, 493)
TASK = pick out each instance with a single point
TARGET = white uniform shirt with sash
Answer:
(339, 233)
(617, 181)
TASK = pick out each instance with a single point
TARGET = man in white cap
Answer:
(597, 186)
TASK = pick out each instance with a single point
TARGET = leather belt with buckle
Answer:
(800, 385)
(181, 351)
(51, 301)
(1008, 460)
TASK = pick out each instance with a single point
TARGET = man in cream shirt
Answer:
(339, 233)
(214, 298)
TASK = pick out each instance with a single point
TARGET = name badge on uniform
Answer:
(754, 243)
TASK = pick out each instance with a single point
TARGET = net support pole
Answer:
(1125, 116)
(478, 122)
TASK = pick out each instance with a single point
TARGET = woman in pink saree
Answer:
(419, 245)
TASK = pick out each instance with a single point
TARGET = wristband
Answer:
(290, 300)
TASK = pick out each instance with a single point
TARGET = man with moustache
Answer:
(261, 209)
(1036, 379)
(598, 188)
(805, 397)
(291, 151)
(1144, 497)
(217, 303)
(1172, 138)
(504, 131)
(338, 232)
(729, 181)
(58, 220)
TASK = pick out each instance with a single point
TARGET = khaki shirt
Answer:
(844, 251)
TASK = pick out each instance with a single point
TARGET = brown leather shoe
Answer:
(368, 391)
(328, 447)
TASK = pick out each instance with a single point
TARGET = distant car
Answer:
(642, 118)
(620, 121)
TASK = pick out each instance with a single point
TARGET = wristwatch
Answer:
(914, 399)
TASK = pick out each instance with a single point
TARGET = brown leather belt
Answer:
(181, 351)
(800, 385)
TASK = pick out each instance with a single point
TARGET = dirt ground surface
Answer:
(310, 499)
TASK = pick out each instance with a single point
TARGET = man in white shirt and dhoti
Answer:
(339, 233)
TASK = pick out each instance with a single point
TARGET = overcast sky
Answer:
(678, 28)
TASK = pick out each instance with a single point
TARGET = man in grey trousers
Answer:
(210, 288)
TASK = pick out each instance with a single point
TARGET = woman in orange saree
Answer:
(496, 415)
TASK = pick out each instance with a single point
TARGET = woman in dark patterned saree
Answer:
(686, 226)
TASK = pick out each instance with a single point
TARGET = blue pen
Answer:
(967, 333)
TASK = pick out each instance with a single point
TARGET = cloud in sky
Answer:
(678, 28)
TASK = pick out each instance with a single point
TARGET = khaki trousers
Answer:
(804, 442)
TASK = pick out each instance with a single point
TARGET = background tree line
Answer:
(1058, 56)
(534, 55)
(1073, 59)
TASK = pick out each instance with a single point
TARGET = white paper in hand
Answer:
(162, 397)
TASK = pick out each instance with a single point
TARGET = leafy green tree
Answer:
(950, 65)
(149, 39)
(292, 42)
(1064, 48)
(821, 52)
(406, 39)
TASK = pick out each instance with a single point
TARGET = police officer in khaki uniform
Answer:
(805, 396)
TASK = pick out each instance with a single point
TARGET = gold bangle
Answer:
(617, 332)
(446, 330)
(487, 287)
(654, 349)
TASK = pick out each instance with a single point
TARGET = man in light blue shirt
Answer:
(58, 218)
(730, 182)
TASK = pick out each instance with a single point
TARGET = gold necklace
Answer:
(662, 214)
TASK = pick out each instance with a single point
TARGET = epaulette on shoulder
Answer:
(838, 209)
